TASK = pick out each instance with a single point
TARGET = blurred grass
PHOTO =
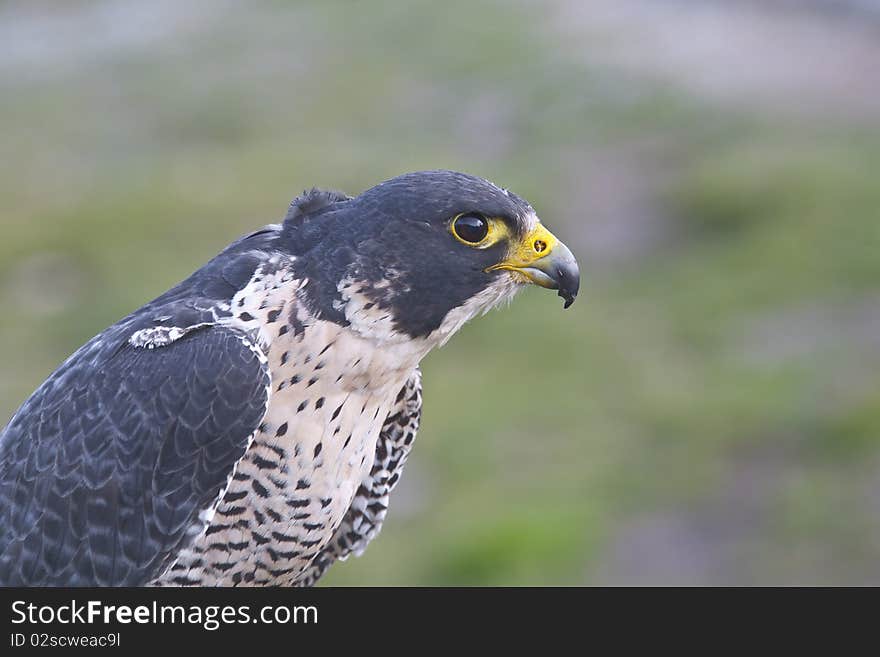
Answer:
(743, 341)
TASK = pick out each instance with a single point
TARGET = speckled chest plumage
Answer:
(331, 391)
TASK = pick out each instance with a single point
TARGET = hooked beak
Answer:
(543, 260)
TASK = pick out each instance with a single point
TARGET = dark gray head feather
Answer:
(397, 232)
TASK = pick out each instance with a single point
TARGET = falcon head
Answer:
(418, 255)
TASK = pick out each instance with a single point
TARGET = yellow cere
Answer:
(539, 242)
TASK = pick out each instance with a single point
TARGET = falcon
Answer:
(248, 426)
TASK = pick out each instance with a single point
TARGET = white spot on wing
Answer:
(161, 336)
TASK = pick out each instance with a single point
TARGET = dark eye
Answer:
(471, 227)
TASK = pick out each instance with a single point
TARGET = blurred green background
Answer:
(707, 413)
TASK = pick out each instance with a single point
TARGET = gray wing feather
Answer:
(364, 519)
(105, 469)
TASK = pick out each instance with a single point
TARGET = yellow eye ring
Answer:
(470, 228)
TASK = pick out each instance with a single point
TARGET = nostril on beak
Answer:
(540, 246)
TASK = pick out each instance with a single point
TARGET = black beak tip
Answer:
(569, 280)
